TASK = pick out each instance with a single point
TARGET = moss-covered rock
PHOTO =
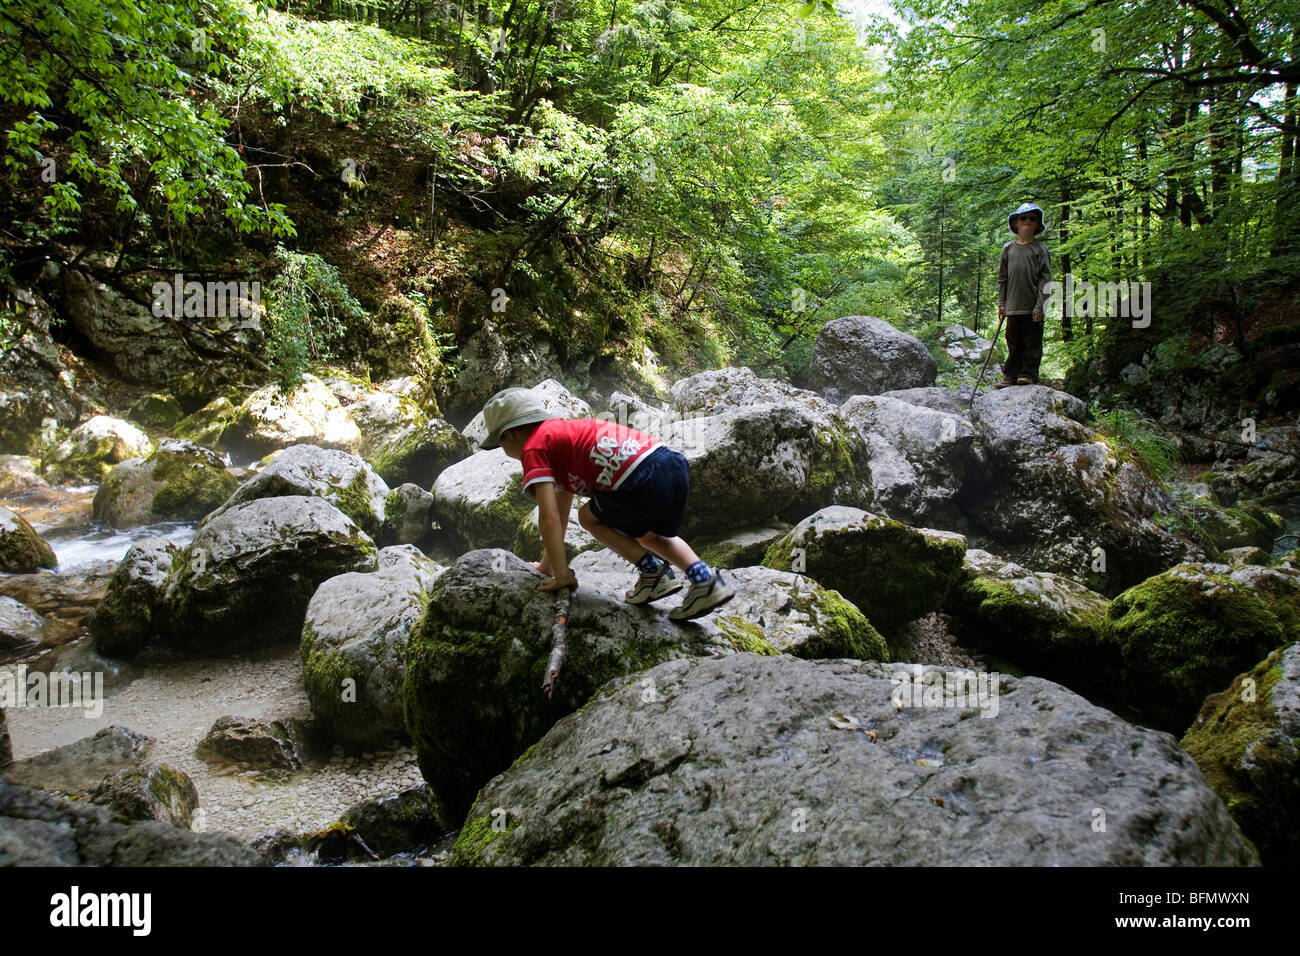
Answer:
(158, 411)
(207, 425)
(739, 549)
(892, 572)
(476, 660)
(247, 576)
(309, 414)
(179, 482)
(123, 622)
(1246, 740)
(21, 548)
(154, 791)
(419, 455)
(95, 447)
(408, 515)
(1043, 623)
(344, 480)
(354, 647)
(481, 501)
(1183, 633)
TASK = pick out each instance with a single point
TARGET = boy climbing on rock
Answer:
(1023, 273)
(637, 489)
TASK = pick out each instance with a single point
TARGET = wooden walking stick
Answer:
(559, 642)
(993, 344)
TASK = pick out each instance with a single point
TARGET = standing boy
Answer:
(1023, 273)
(637, 488)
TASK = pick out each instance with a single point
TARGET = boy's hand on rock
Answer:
(565, 581)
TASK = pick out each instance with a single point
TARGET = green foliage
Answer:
(109, 110)
(1136, 440)
(307, 308)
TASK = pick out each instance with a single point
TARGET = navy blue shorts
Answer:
(653, 498)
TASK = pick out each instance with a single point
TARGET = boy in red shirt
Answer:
(637, 489)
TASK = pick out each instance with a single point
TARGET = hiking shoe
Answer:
(1004, 384)
(653, 586)
(1023, 380)
(703, 598)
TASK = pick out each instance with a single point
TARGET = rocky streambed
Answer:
(985, 622)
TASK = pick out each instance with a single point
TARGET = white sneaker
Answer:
(703, 598)
(653, 586)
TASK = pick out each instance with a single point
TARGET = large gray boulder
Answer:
(724, 389)
(21, 548)
(38, 391)
(344, 480)
(749, 465)
(354, 646)
(247, 576)
(1247, 741)
(1047, 492)
(180, 481)
(42, 829)
(773, 612)
(774, 761)
(124, 621)
(138, 345)
(310, 414)
(1043, 623)
(481, 501)
(893, 572)
(864, 355)
(476, 658)
(419, 455)
(382, 416)
(20, 626)
(918, 458)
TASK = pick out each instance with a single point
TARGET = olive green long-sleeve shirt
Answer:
(1023, 273)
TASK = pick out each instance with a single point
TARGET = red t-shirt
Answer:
(583, 455)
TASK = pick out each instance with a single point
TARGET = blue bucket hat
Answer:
(1026, 207)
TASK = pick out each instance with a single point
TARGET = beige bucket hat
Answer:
(507, 409)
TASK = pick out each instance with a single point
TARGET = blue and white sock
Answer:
(698, 573)
(649, 563)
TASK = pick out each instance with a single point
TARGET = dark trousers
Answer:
(1024, 347)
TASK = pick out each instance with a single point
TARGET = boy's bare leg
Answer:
(673, 550)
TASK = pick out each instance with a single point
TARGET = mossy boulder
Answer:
(1047, 492)
(773, 612)
(408, 515)
(481, 501)
(154, 791)
(123, 622)
(343, 480)
(740, 549)
(179, 482)
(1223, 529)
(21, 548)
(1043, 623)
(893, 572)
(159, 411)
(354, 647)
(93, 448)
(308, 414)
(1246, 740)
(208, 424)
(247, 576)
(476, 660)
(382, 417)
(1183, 633)
(778, 460)
(272, 748)
(419, 455)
